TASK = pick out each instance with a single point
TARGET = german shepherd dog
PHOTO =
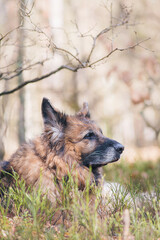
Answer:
(69, 145)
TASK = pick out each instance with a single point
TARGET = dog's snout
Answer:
(119, 147)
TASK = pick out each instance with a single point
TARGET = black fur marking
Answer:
(4, 165)
(51, 116)
(105, 153)
(61, 150)
(88, 115)
(5, 169)
(54, 167)
(62, 120)
(90, 135)
(97, 175)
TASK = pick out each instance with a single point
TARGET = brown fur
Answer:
(61, 150)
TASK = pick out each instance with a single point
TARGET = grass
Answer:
(141, 175)
(130, 212)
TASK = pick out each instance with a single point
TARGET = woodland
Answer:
(103, 52)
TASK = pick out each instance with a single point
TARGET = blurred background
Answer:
(104, 52)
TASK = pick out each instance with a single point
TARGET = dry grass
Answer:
(79, 215)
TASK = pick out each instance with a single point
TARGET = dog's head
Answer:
(81, 134)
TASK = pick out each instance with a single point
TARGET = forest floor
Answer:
(132, 211)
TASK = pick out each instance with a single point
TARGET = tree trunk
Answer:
(21, 120)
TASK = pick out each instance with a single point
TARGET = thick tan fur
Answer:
(37, 162)
(61, 150)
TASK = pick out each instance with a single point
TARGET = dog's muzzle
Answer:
(109, 151)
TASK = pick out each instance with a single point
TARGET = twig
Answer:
(19, 71)
(79, 62)
(106, 30)
(69, 53)
(73, 69)
(39, 79)
(126, 221)
(55, 47)
(117, 49)
(155, 129)
(4, 36)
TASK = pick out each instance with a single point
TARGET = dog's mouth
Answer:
(100, 161)
(100, 164)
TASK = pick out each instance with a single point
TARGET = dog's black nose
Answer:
(119, 147)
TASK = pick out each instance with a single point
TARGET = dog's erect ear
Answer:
(84, 111)
(52, 116)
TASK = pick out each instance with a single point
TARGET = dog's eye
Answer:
(89, 135)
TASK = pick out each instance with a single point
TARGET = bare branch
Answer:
(69, 53)
(55, 47)
(39, 79)
(19, 70)
(156, 129)
(4, 36)
(106, 30)
(73, 69)
(115, 50)
(80, 63)
(126, 221)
